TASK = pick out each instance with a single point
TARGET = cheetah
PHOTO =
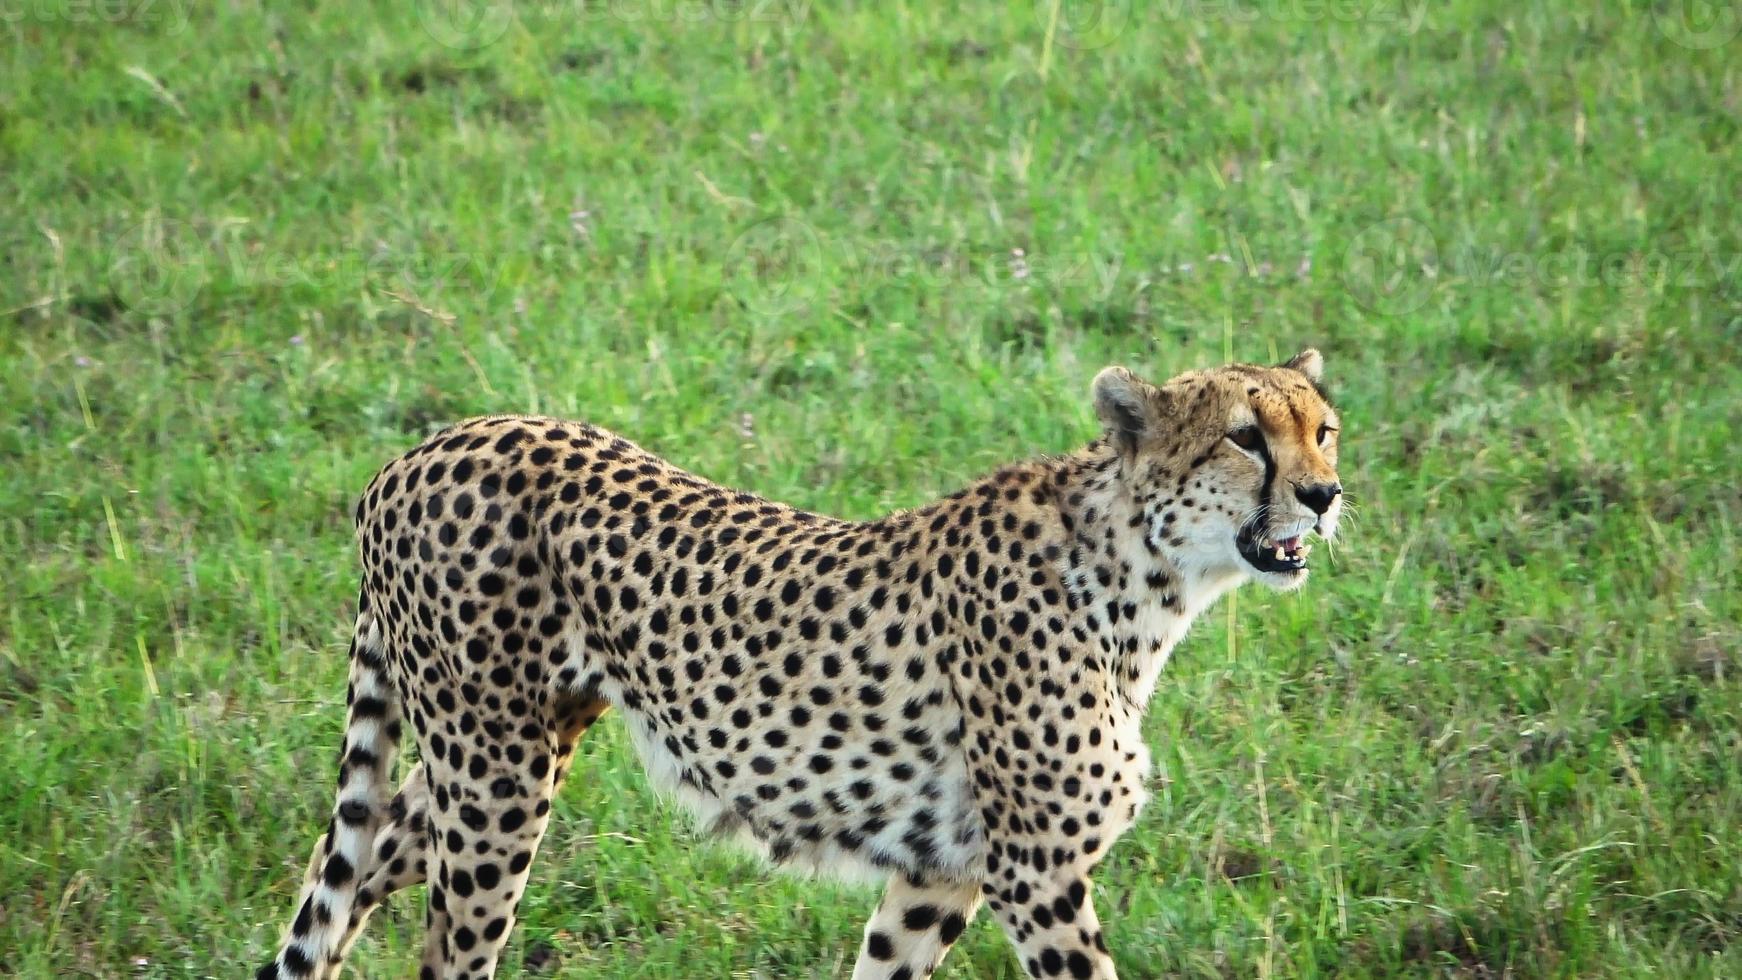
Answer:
(947, 698)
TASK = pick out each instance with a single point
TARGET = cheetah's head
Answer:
(1232, 468)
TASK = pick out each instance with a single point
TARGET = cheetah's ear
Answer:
(1128, 406)
(1308, 362)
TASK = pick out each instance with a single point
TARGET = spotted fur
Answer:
(949, 697)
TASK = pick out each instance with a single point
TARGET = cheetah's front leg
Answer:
(913, 928)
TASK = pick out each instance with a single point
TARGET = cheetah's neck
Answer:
(1136, 600)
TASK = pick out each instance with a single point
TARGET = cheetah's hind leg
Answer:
(400, 856)
(398, 859)
(372, 728)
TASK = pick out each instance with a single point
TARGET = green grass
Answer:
(250, 251)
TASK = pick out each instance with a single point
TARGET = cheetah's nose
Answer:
(1318, 496)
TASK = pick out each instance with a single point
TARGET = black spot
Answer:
(338, 871)
(919, 918)
(296, 962)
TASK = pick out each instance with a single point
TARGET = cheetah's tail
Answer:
(372, 726)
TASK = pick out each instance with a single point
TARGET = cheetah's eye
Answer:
(1324, 432)
(1248, 438)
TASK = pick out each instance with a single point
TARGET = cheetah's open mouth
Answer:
(1278, 556)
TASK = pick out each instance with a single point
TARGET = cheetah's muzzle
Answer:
(1273, 556)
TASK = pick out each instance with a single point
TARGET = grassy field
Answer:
(852, 255)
